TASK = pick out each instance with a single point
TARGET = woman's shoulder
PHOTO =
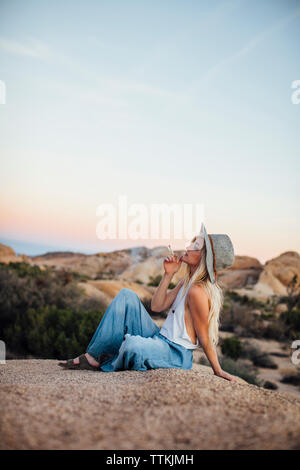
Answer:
(198, 291)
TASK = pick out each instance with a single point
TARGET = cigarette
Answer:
(170, 249)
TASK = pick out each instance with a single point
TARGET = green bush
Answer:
(231, 347)
(236, 318)
(244, 299)
(275, 329)
(259, 358)
(240, 369)
(38, 308)
(172, 285)
(292, 320)
(237, 368)
(292, 299)
(292, 379)
(270, 385)
(51, 332)
(264, 360)
(155, 280)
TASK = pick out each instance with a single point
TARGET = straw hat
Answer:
(219, 252)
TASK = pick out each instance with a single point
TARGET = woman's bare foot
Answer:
(90, 359)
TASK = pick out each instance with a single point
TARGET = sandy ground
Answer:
(46, 407)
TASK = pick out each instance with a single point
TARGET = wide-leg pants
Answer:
(128, 334)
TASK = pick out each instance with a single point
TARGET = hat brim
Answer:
(209, 256)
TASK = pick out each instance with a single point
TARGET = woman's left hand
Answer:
(225, 375)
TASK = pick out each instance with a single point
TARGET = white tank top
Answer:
(174, 327)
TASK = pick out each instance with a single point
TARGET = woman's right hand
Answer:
(172, 264)
(226, 376)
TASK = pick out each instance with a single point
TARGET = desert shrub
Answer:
(238, 319)
(270, 385)
(279, 354)
(172, 285)
(240, 369)
(259, 358)
(274, 329)
(236, 316)
(292, 321)
(155, 280)
(292, 378)
(50, 332)
(292, 299)
(268, 316)
(264, 360)
(231, 347)
(104, 275)
(25, 270)
(244, 299)
(25, 288)
(80, 277)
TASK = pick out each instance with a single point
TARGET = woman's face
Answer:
(193, 251)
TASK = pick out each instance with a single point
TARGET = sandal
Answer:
(82, 365)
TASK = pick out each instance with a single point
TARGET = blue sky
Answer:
(164, 101)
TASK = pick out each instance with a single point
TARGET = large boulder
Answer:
(45, 407)
(106, 290)
(244, 272)
(8, 255)
(278, 273)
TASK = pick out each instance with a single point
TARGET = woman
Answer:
(127, 337)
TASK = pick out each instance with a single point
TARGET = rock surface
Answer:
(45, 407)
(279, 271)
(107, 290)
(8, 255)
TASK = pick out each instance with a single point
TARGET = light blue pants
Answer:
(128, 333)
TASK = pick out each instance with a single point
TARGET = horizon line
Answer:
(35, 249)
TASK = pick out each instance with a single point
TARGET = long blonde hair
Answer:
(214, 292)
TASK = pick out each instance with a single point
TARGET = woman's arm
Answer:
(198, 305)
(162, 299)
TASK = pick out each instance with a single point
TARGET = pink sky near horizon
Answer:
(54, 226)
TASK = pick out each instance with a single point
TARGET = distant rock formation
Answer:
(278, 272)
(8, 255)
(275, 276)
(139, 265)
(243, 273)
(107, 290)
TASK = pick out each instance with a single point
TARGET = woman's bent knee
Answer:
(128, 293)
